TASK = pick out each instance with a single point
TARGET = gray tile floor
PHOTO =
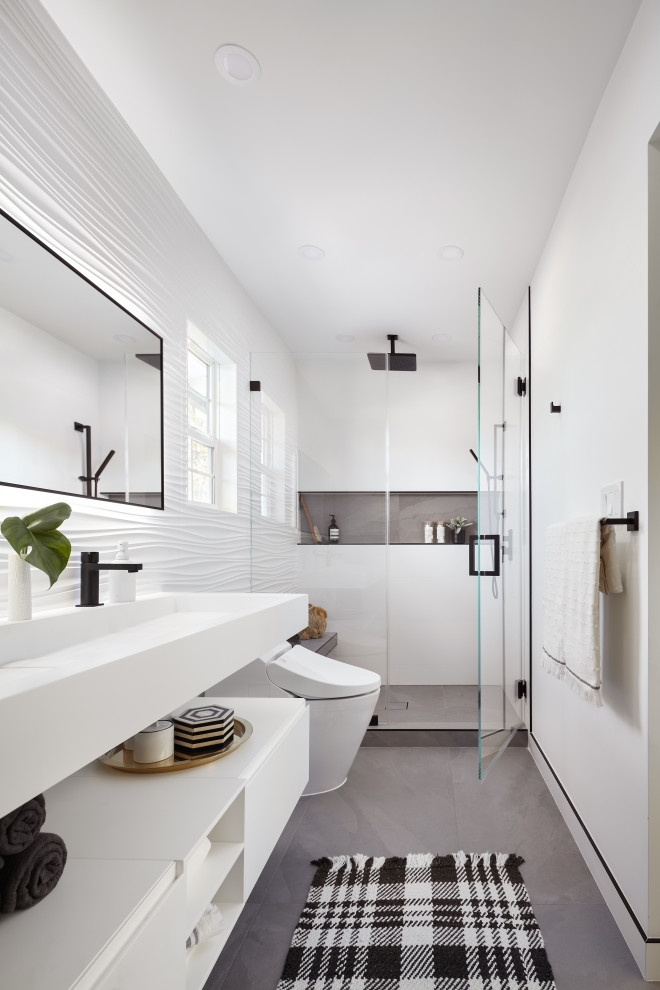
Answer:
(428, 799)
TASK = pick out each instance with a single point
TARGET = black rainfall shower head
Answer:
(395, 362)
(402, 362)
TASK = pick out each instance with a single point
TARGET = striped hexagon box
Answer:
(203, 730)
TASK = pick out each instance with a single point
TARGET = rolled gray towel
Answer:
(30, 875)
(19, 828)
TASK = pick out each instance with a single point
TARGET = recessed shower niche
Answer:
(80, 382)
(363, 517)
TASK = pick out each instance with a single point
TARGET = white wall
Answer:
(589, 353)
(142, 426)
(432, 425)
(432, 616)
(59, 385)
(350, 416)
(342, 424)
(350, 583)
(73, 174)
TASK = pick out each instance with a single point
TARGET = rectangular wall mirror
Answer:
(81, 408)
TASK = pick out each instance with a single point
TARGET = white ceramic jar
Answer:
(155, 743)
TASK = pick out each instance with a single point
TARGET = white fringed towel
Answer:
(553, 600)
(571, 644)
(610, 574)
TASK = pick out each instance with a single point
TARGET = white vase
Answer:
(19, 588)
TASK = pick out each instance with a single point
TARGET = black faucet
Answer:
(89, 576)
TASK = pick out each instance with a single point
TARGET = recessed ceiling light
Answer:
(6, 256)
(346, 338)
(442, 338)
(451, 252)
(310, 252)
(123, 338)
(237, 65)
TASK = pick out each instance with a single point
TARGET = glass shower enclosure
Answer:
(496, 549)
(390, 455)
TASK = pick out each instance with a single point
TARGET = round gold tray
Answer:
(122, 759)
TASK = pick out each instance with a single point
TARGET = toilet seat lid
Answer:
(310, 675)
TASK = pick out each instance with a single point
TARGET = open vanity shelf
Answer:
(148, 853)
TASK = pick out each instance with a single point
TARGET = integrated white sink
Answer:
(62, 635)
(74, 682)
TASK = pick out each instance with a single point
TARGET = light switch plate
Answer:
(611, 500)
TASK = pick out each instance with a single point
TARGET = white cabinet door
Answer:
(271, 795)
(155, 956)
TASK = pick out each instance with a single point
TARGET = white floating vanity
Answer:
(147, 852)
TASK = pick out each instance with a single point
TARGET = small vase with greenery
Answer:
(37, 541)
(459, 524)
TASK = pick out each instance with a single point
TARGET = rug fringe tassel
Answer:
(417, 860)
(501, 860)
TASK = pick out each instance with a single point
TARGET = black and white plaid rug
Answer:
(418, 922)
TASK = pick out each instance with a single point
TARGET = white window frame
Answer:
(222, 439)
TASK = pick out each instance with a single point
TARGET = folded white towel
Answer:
(571, 643)
(581, 639)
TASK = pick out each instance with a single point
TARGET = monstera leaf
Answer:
(36, 539)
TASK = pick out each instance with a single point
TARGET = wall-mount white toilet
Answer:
(341, 701)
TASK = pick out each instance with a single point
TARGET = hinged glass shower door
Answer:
(496, 558)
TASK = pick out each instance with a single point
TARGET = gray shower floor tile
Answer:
(428, 799)
(449, 705)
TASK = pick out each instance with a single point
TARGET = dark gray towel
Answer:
(18, 828)
(29, 876)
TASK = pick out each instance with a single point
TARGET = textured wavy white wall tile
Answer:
(73, 173)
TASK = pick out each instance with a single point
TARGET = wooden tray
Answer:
(122, 759)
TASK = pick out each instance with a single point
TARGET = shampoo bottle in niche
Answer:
(122, 584)
(333, 530)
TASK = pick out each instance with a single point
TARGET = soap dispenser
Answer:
(122, 584)
(333, 531)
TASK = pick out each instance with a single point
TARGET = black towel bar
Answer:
(631, 522)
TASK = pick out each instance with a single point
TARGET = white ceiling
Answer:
(379, 130)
